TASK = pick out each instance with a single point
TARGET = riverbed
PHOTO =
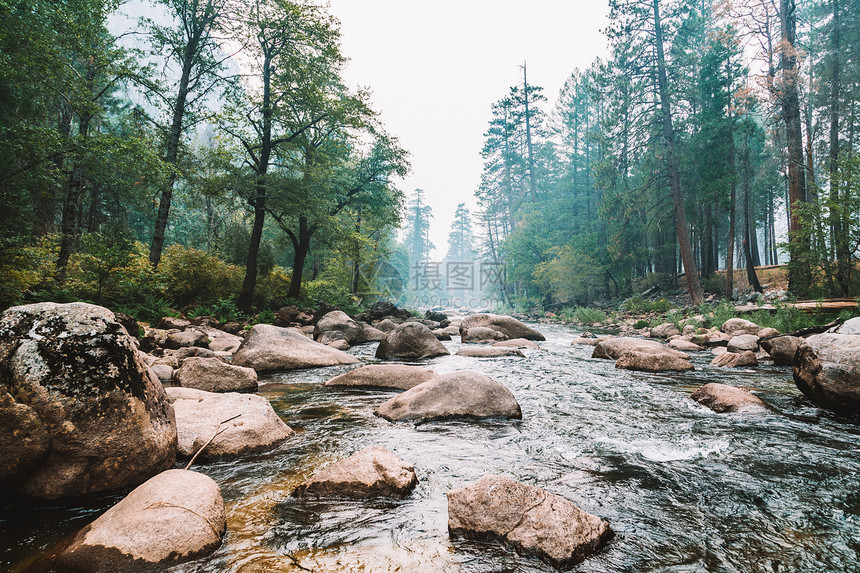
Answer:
(684, 488)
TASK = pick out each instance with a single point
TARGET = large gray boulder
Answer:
(369, 473)
(187, 337)
(827, 370)
(613, 348)
(529, 519)
(782, 349)
(507, 325)
(463, 394)
(268, 348)
(215, 375)
(172, 518)
(220, 341)
(80, 412)
(722, 398)
(339, 321)
(393, 376)
(850, 326)
(410, 341)
(198, 415)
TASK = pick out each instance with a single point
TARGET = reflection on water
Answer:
(687, 490)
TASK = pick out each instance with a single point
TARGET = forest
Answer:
(214, 161)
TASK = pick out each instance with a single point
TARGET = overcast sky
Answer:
(435, 68)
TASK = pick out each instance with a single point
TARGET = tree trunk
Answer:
(799, 276)
(749, 223)
(71, 206)
(46, 201)
(532, 178)
(301, 247)
(838, 222)
(730, 250)
(694, 287)
(170, 158)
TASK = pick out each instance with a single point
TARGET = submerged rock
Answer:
(371, 472)
(410, 341)
(394, 376)
(652, 362)
(722, 398)
(530, 519)
(80, 411)
(827, 370)
(463, 394)
(172, 518)
(198, 414)
(735, 359)
(517, 343)
(213, 375)
(507, 325)
(268, 348)
(489, 352)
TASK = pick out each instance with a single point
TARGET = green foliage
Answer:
(675, 316)
(150, 308)
(23, 267)
(637, 304)
(583, 315)
(332, 292)
(641, 323)
(191, 274)
(226, 310)
(264, 317)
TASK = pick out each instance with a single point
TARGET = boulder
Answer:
(850, 326)
(187, 337)
(128, 322)
(827, 370)
(613, 348)
(385, 326)
(531, 520)
(268, 348)
(163, 372)
(198, 414)
(372, 472)
(173, 517)
(332, 336)
(718, 350)
(410, 341)
(735, 359)
(590, 341)
(220, 341)
(440, 334)
(435, 315)
(684, 345)
(393, 376)
(743, 342)
(80, 412)
(489, 352)
(737, 326)
(652, 361)
(517, 343)
(721, 398)
(507, 325)
(288, 315)
(782, 349)
(170, 322)
(463, 394)
(213, 375)
(186, 352)
(207, 321)
(341, 322)
(766, 333)
(452, 330)
(665, 330)
(688, 330)
(341, 344)
(718, 339)
(370, 334)
(480, 334)
(383, 309)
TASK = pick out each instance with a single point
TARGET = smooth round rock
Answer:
(172, 518)
(722, 398)
(507, 325)
(269, 348)
(393, 376)
(372, 472)
(214, 375)
(410, 341)
(489, 352)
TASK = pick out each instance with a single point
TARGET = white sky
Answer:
(435, 68)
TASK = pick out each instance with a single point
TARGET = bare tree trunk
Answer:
(694, 287)
(730, 250)
(301, 247)
(749, 223)
(799, 276)
(71, 206)
(46, 201)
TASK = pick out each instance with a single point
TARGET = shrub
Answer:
(333, 292)
(264, 317)
(639, 305)
(191, 274)
(23, 267)
(583, 315)
(641, 324)
(272, 289)
(227, 311)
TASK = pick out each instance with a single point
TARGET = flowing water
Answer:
(684, 488)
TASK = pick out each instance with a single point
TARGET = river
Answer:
(684, 488)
